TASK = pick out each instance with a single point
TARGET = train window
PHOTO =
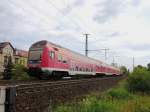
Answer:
(80, 69)
(86, 69)
(52, 54)
(59, 57)
(76, 68)
(35, 56)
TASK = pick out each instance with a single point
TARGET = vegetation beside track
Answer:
(21, 73)
(133, 95)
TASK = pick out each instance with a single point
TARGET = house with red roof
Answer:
(17, 56)
(6, 51)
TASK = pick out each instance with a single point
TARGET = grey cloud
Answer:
(10, 20)
(137, 47)
(79, 2)
(70, 7)
(113, 34)
(108, 9)
(136, 2)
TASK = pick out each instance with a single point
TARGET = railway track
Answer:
(56, 83)
(43, 82)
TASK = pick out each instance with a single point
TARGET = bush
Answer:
(20, 73)
(8, 69)
(63, 109)
(118, 93)
(142, 104)
(90, 104)
(139, 80)
(96, 105)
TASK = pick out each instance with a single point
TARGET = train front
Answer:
(35, 58)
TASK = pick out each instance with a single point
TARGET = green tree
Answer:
(139, 80)
(148, 66)
(20, 73)
(124, 70)
(8, 69)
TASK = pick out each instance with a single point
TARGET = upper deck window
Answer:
(60, 57)
(52, 54)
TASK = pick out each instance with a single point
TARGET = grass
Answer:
(137, 104)
(113, 100)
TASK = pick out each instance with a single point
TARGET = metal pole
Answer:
(113, 60)
(86, 44)
(105, 55)
(133, 63)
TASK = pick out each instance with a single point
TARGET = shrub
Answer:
(95, 105)
(139, 80)
(90, 104)
(142, 104)
(8, 69)
(118, 93)
(20, 73)
(63, 109)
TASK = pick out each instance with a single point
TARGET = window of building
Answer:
(16, 60)
(5, 60)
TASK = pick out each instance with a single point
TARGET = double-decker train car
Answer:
(48, 59)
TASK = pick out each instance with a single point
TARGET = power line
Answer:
(105, 49)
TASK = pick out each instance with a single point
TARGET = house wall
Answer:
(6, 52)
(1, 63)
(21, 60)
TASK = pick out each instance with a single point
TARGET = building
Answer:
(20, 57)
(17, 56)
(6, 51)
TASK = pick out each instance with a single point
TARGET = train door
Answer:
(52, 58)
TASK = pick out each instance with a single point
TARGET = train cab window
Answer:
(52, 54)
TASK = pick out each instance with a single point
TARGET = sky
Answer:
(122, 26)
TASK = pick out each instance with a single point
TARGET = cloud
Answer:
(136, 2)
(138, 47)
(120, 25)
(108, 9)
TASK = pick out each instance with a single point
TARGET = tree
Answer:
(139, 80)
(124, 70)
(139, 67)
(8, 69)
(148, 66)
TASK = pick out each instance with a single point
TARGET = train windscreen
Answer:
(35, 56)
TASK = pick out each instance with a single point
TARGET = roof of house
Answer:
(21, 53)
(4, 44)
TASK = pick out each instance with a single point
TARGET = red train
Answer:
(47, 59)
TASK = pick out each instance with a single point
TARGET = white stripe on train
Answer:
(75, 72)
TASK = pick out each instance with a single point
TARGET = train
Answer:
(46, 59)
